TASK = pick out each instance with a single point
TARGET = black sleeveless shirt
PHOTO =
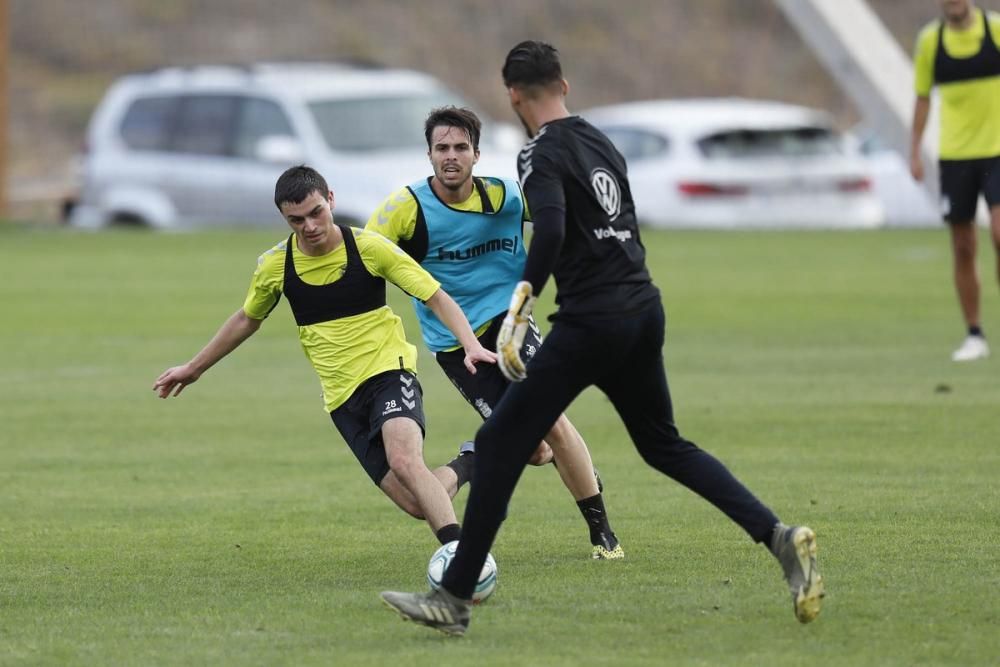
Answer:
(356, 292)
(983, 65)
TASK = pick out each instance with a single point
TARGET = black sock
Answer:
(462, 465)
(976, 330)
(449, 533)
(593, 513)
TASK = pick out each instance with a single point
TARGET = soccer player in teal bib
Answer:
(468, 232)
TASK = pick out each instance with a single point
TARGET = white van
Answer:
(201, 146)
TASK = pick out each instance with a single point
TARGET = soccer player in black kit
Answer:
(608, 331)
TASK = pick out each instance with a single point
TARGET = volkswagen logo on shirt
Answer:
(606, 190)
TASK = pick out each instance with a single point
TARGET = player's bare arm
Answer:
(452, 316)
(921, 110)
(233, 332)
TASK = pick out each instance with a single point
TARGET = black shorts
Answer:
(484, 389)
(379, 399)
(961, 183)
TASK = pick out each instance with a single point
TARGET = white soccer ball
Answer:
(442, 559)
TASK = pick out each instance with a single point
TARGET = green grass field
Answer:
(232, 526)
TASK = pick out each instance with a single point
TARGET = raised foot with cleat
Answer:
(795, 549)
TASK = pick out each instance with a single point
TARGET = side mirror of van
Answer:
(279, 149)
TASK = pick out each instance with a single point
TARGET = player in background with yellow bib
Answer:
(960, 55)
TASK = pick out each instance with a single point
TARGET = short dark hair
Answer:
(452, 116)
(297, 183)
(532, 63)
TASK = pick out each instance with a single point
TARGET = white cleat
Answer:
(795, 549)
(438, 609)
(972, 348)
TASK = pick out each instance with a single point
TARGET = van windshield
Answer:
(378, 123)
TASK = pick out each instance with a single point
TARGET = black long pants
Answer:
(623, 357)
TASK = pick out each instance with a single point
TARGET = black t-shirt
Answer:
(576, 186)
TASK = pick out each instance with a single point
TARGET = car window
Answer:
(872, 144)
(781, 142)
(636, 144)
(380, 123)
(259, 118)
(205, 125)
(147, 122)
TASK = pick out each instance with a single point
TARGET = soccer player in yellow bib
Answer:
(334, 279)
(468, 232)
(960, 54)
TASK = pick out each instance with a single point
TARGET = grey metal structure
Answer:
(864, 58)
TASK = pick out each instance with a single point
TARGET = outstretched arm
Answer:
(550, 231)
(236, 329)
(452, 316)
(921, 109)
(546, 243)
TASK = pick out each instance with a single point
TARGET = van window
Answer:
(380, 123)
(259, 118)
(146, 125)
(205, 125)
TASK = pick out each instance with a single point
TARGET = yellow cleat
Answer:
(601, 553)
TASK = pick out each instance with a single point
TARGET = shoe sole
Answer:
(807, 601)
(447, 632)
(978, 357)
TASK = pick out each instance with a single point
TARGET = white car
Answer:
(736, 163)
(199, 146)
(906, 202)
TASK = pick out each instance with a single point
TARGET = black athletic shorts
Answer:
(380, 398)
(961, 183)
(484, 389)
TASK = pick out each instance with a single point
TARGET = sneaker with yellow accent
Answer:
(607, 548)
(438, 609)
(795, 549)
